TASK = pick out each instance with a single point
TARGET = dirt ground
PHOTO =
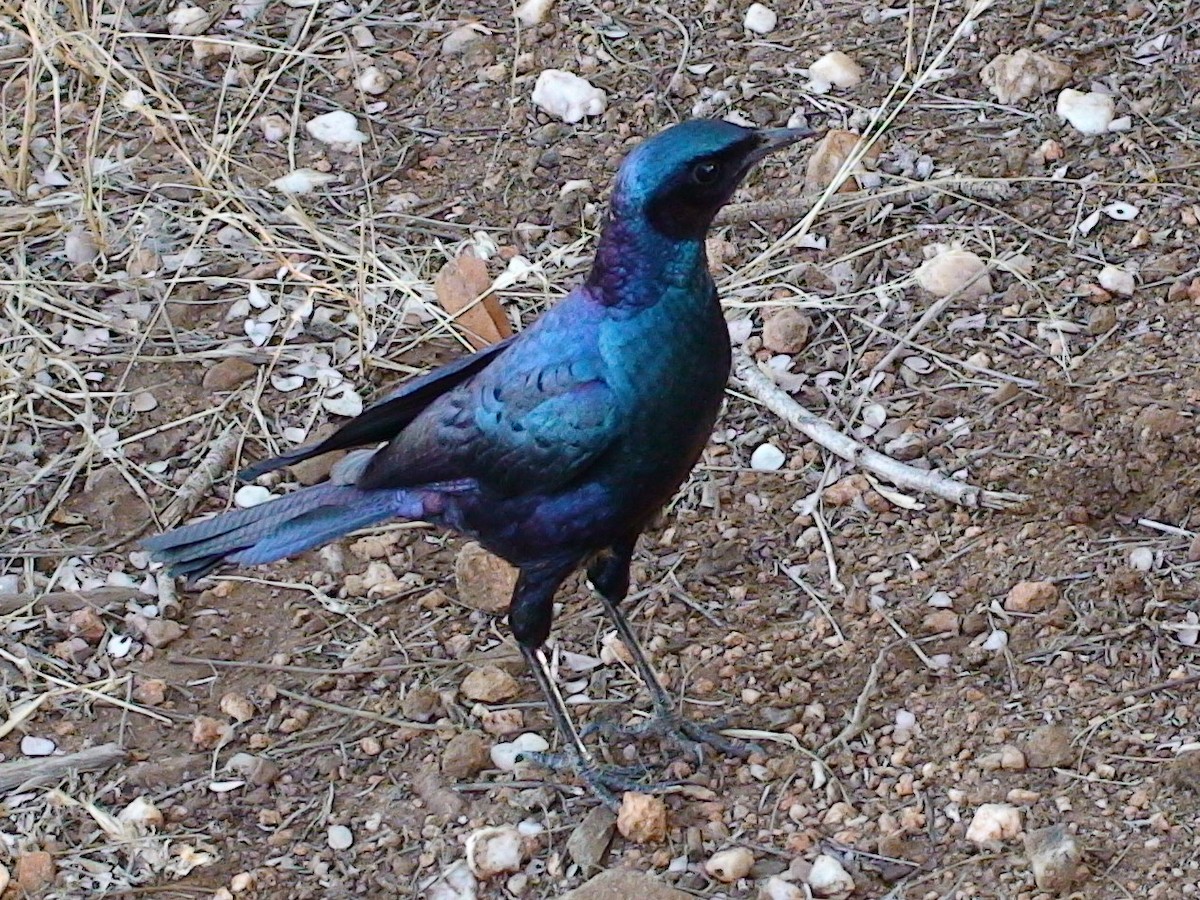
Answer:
(298, 730)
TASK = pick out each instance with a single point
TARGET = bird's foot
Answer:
(607, 781)
(690, 736)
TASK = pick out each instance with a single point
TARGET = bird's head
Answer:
(678, 179)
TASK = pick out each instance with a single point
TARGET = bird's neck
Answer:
(637, 266)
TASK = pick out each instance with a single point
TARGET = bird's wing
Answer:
(514, 430)
(386, 418)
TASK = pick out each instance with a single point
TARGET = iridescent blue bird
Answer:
(554, 448)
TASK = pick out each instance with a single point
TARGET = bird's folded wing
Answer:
(386, 418)
(532, 431)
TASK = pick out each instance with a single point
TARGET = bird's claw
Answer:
(606, 781)
(684, 733)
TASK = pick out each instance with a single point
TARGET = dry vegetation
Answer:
(167, 313)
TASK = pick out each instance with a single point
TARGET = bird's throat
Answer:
(636, 265)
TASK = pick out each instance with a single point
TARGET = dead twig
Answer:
(20, 774)
(904, 476)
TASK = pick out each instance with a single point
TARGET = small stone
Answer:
(1117, 280)
(1101, 319)
(642, 818)
(835, 69)
(87, 624)
(208, 733)
(241, 882)
(372, 80)
(778, 889)
(34, 871)
(1012, 77)
(1031, 596)
(767, 458)
(994, 823)
(161, 632)
(590, 839)
(484, 582)
(846, 491)
(1141, 559)
(958, 272)
(1088, 113)
(465, 755)
(1049, 747)
(828, 157)
(492, 851)
(421, 704)
(729, 865)
(828, 878)
(941, 621)
(237, 706)
(33, 745)
(150, 691)
(1012, 759)
(462, 39)
(568, 97)
(340, 837)
(258, 770)
(1193, 554)
(228, 374)
(760, 19)
(624, 884)
(499, 721)
(489, 684)
(1054, 858)
(786, 330)
(141, 813)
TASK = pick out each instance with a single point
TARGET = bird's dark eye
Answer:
(706, 173)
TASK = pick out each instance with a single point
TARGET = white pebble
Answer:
(274, 128)
(1142, 559)
(456, 883)
(828, 878)
(739, 330)
(504, 755)
(760, 19)
(954, 271)
(301, 181)
(836, 69)
(491, 851)
(778, 889)
(905, 720)
(338, 128)
(372, 80)
(37, 746)
(249, 495)
(730, 865)
(568, 97)
(940, 600)
(340, 837)
(533, 12)
(1088, 113)
(767, 458)
(997, 640)
(187, 20)
(1117, 280)
(994, 822)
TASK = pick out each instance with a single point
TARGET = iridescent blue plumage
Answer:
(555, 448)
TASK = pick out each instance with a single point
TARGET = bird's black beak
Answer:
(771, 139)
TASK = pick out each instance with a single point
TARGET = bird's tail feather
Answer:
(278, 528)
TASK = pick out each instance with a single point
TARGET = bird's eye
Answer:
(706, 173)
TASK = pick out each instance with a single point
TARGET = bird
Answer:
(554, 448)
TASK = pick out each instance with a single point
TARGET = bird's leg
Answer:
(530, 616)
(609, 575)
